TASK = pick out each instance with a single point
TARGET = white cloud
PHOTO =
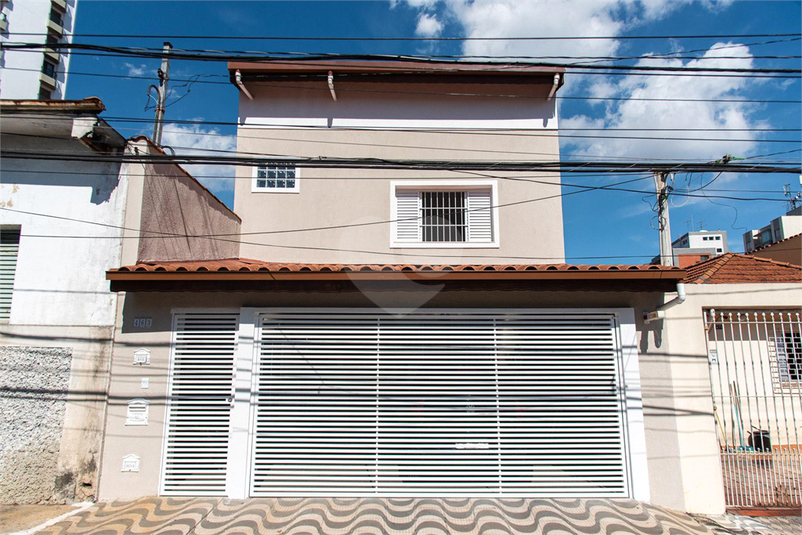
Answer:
(549, 18)
(136, 70)
(428, 26)
(706, 112)
(194, 140)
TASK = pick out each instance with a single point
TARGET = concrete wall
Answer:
(662, 385)
(68, 469)
(19, 69)
(306, 122)
(173, 202)
(33, 382)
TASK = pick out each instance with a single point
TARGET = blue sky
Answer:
(600, 226)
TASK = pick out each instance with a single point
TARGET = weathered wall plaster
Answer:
(33, 400)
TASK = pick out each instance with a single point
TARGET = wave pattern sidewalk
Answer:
(399, 516)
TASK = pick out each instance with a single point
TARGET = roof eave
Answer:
(642, 281)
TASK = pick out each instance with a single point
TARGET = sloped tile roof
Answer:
(733, 268)
(241, 265)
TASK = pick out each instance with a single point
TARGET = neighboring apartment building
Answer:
(402, 331)
(779, 229)
(694, 247)
(65, 218)
(35, 74)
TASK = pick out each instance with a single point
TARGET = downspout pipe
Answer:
(660, 312)
(554, 87)
(330, 80)
(238, 80)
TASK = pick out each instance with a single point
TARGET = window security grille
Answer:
(277, 177)
(9, 248)
(443, 216)
(199, 409)
(789, 357)
(446, 404)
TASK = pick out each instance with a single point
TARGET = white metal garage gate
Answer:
(445, 403)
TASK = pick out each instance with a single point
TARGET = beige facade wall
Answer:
(389, 123)
(173, 202)
(664, 388)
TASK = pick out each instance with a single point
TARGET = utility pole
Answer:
(161, 93)
(662, 189)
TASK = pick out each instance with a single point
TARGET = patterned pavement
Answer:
(375, 516)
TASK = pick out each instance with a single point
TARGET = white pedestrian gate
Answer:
(199, 405)
(438, 403)
(756, 378)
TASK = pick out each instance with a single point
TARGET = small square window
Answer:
(718, 238)
(276, 178)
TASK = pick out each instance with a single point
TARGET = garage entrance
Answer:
(445, 402)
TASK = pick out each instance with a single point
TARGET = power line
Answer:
(222, 237)
(544, 135)
(352, 178)
(209, 55)
(370, 38)
(451, 93)
(401, 164)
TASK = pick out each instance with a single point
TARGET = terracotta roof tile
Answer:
(246, 265)
(732, 268)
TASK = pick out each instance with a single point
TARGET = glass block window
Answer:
(276, 178)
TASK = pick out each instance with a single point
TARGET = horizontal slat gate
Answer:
(467, 404)
(199, 405)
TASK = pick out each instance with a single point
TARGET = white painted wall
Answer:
(19, 70)
(399, 105)
(60, 274)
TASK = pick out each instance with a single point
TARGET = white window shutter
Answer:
(9, 247)
(480, 216)
(199, 410)
(407, 225)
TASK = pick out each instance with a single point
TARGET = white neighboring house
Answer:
(35, 74)
(780, 228)
(70, 210)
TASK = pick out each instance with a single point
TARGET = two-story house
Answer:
(393, 328)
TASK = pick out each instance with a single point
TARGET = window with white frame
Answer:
(444, 214)
(276, 178)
